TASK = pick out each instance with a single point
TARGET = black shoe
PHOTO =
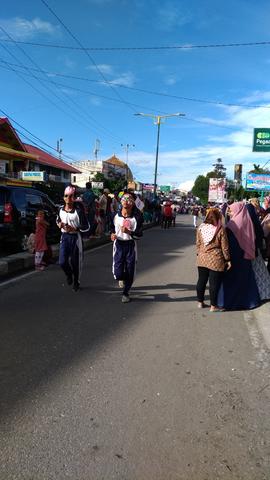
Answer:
(69, 280)
(76, 286)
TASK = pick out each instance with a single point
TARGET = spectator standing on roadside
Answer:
(167, 214)
(72, 221)
(195, 212)
(88, 199)
(174, 213)
(213, 257)
(40, 239)
(103, 207)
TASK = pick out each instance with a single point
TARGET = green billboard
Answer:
(261, 140)
(165, 188)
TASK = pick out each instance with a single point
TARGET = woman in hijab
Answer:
(260, 271)
(213, 257)
(239, 289)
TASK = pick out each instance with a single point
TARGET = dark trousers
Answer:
(124, 262)
(69, 255)
(215, 279)
(167, 221)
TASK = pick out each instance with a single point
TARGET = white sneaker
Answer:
(125, 299)
(121, 283)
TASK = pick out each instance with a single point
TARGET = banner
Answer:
(217, 190)
(261, 140)
(258, 181)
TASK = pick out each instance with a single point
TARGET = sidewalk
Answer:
(23, 261)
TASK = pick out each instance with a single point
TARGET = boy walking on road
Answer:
(124, 246)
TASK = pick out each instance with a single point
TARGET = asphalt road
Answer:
(92, 389)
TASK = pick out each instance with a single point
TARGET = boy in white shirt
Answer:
(124, 246)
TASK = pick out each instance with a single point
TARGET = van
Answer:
(18, 210)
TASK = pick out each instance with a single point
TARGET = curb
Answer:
(23, 261)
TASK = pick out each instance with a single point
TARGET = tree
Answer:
(200, 188)
(113, 185)
(219, 171)
(258, 169)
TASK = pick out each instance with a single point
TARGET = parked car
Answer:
(18, 209)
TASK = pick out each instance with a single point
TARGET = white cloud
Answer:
(95, 101)
(103, 67)
(171, 15)
(170, 80)
(186, 186)
(22, 29)
(126, 79)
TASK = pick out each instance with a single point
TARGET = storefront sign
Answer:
(33, 176)
(98, 185)
(261, 141)
(148, 186)
(258, 181)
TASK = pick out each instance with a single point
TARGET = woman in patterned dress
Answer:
(213, 257)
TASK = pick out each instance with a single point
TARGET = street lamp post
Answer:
(158, 122)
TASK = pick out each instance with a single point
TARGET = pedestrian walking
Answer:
(213, 257)
(72, 221)
(167, 214)
(195, 213)
(124, 246)
(40, 239)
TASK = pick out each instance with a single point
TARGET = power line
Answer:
(86, 52)
(39, 70)
(160, 47)
(151, 92)
(33, 135)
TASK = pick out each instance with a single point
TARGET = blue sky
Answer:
(102, 104)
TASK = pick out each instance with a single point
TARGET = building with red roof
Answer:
(17, 157)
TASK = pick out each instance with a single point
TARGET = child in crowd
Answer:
(40, 239)
(124, 246)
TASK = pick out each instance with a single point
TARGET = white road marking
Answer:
(261, 351)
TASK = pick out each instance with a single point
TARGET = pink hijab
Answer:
(242, 227)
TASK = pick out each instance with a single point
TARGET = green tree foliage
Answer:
(219, 170)
(115, 185)
(258, 169)
(200, 188)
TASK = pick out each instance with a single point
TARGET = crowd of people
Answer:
(233, 242)
(233, 247)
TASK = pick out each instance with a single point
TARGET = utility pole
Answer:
(158, 121)
(97, 148)
(59, 147)
(126, 147)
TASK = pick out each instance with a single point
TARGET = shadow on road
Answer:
(45, 327)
